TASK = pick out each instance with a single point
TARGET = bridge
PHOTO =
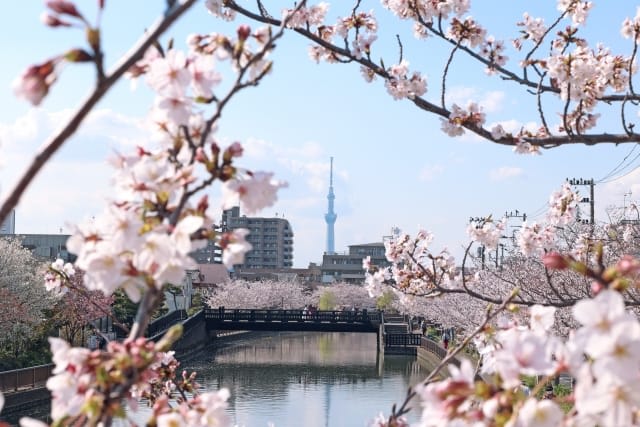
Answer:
(292, 320)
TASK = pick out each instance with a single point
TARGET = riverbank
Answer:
(36, 402)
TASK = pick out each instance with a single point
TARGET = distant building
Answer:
(9, 224)
(271, 239)
(348, 267)
(209, 276)
(210, 254)
(47, 247)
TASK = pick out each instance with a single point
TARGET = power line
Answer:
(621, 176)
(615, 169)
(607, 178)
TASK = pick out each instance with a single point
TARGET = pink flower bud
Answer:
(63, 7)
(628, 265)
(34, 83)
(234, 150)
(203, 204)
(53, 21)
(596, 288)
(554, 261)
(200, 155)
(244, 31)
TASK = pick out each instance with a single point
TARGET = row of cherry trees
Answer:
(29, 311)
(158, 214)
(23, 297)
(286, 295)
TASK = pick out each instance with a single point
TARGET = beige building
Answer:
(347, 267)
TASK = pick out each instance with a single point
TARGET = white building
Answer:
(9, 224)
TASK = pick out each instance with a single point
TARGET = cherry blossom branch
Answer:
(57, 140)
(148, 303)
(238, 85)
(539, 42)
(445, 73)
(489, 316)
(544, 141)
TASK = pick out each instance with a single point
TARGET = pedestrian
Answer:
(423, 327)
(102, 342)
(525, 389)
(445, 340)
(548, 392)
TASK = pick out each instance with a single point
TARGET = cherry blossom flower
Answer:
(234, 246)
(312, 16)
(543, 413)
(494, 51)
(203, 76)
(254, 191)
(498, 132)
(524, 147)
(542, 318)
(631, 27)
(174, 106)
(578, 10)
(533, 28)
(466, 32)
(487, 232)
(216, 8)
(169, 74)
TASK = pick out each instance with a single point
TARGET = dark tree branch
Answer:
(57, 140)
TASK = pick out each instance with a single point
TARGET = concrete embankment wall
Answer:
(194, 338)
(430, 361)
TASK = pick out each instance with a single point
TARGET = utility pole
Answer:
(509, 215)
(590, 200)
(479, 223)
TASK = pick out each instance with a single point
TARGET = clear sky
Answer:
(393, 166)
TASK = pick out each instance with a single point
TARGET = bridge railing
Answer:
(249, 315)
(402, 340)
(26, 378)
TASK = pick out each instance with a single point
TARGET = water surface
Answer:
(307, 379)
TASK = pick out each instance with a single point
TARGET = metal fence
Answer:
(26, 378)
(402, 340)
(163, 323)
(248, 315)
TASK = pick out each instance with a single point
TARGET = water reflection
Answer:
(295, 379)
(310, 379)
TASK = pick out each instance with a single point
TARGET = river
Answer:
(295, 379)
(312, 379)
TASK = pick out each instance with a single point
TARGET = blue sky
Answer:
(393, 165)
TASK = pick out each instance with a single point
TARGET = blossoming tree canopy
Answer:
(556, 62)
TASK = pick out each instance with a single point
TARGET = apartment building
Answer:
(271, 238)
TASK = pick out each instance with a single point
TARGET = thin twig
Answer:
(57, 140)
